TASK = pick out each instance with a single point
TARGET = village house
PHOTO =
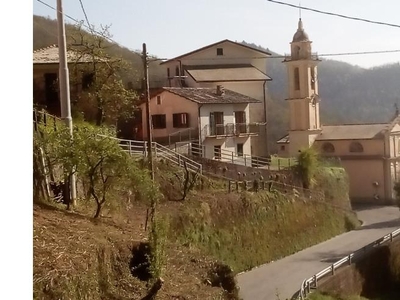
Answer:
(216, 119)
(370, 153)
(45, 78)
(235, 66)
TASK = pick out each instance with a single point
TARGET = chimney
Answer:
(220, 90)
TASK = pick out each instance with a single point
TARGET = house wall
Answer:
(364, 169)
(170, 104)
(228, 145)
(233, 54)
(227, 109)
(363, 174)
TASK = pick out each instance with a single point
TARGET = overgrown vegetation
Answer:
(307, 164)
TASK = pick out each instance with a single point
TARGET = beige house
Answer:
(237, 67)
(45, 77)
(370, 153)
(215, 120)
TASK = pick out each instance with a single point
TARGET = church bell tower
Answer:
(303, 92)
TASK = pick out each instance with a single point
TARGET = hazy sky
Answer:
(174, 27)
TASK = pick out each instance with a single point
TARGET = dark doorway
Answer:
(51, 93)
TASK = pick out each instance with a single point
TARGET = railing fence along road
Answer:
(312, 283)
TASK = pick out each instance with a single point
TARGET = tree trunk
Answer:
(100, 113)
(98, 210)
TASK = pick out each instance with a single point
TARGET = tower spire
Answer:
(299, 10)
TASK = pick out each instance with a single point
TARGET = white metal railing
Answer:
(197, 150)
(232, 129)
(140, 148)
(312, 282)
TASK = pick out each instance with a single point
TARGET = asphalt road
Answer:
(282, 279)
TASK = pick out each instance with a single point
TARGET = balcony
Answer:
(231, 129)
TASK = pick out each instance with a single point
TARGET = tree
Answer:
(307, 166)
(102, 94)
(187, 181)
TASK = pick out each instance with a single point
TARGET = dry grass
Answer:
(78, 258)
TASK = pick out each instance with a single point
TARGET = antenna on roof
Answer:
(300, 10)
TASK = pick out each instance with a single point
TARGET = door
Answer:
(51, 93)
(216, 123)
(240, 122)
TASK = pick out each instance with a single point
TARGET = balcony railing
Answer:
(231, 129)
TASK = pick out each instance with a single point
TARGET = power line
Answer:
(285, 56)
(78, 22)
(86, 17)
(334, 14)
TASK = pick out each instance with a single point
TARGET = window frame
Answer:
(220, 51)
(161, 124)
(328, 147)
(178, 123)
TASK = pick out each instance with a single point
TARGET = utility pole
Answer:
(64, 85)
(148, 115)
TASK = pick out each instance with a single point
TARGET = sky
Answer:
(174, 27)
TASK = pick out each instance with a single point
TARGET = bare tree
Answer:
(187, 180)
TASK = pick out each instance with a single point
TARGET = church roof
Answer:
(300, 35)
(353, 132)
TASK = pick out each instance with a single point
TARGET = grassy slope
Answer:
(77, 258)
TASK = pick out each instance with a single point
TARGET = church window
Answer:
(313, 79)
(356, 147)
(296, 79)
(328, 148)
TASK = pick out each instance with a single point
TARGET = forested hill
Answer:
(349, 94)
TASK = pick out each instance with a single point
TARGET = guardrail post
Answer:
(155, 150)
(391, 237)
(315, 281)
(144, 149)
(130, 148)
(245, 164)
(232, 157)
(333, 269)
(179, 160)
(349, 259)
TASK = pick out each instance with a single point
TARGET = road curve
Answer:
(281, 279)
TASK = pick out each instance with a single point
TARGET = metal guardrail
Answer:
(197, 150)
(232, 129)
(43, 117)
(311, 283)
(139, 148)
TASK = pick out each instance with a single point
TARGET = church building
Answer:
(370, 153)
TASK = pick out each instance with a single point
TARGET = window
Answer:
(356, 147)
(158, 100)
(282, 147)
(158, 121)
(177, 71)
(313, 78)
(217, 152)
(220, 51)
(296, 79)
(180, 120)
(87, 80)
(239, 149)
(328, 148)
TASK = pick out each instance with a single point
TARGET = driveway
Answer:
(282, 279)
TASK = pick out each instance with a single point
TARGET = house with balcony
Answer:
(238, 67)
(214, 121)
